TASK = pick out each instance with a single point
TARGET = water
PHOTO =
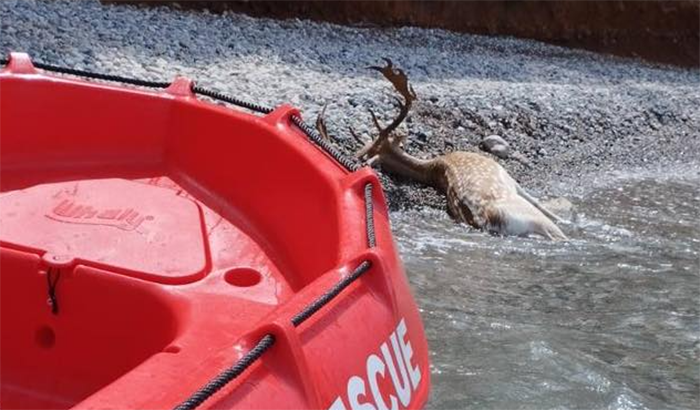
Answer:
(608, 320)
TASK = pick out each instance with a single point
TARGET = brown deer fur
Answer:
(479, 191)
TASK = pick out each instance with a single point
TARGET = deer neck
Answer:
(399, 162)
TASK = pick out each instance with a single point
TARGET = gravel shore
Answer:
(569, 112)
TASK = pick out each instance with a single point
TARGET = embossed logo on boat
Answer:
(127, 219)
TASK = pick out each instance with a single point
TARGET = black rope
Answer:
(231, 100)
(100, 76)
(363, 267)
(323, 300)
(225, 377)
(369, 217)
(51, 284)
(349, 163)
(228, 375)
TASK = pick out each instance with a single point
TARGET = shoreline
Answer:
(569, 112)
(654, 31)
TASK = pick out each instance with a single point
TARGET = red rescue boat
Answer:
(160, 251)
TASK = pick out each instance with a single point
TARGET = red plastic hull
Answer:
(181, 232)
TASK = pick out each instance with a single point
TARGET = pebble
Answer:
(533, 89)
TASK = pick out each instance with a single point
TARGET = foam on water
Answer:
(607, 320)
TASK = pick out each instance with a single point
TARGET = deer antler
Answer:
(323, 129)
(372, 149)
(479, 191)
(399, 80)
(355, 136)
(321, 123)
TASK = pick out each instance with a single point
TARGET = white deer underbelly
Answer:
(518, 217)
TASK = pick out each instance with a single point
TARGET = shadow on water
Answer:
(608, 320)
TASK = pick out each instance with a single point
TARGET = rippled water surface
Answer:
(608, 320)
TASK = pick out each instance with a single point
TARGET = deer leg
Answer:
(537, 204)
(519, 217)
(549, 230)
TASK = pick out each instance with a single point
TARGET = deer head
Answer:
(479, 191)
(386, 148)
(386, 142)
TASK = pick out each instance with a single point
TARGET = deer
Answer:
(479, 191)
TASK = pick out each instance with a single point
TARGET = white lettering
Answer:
(338, 405)
(403, 387)
(414, 372)
(356, 388)
(375, 366)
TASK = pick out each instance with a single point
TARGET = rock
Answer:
(547, 94)
(496, 145)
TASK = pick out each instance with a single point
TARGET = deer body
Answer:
(479, 191)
